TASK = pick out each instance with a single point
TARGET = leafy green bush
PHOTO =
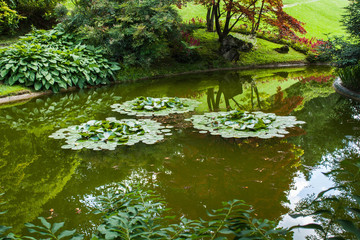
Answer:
(9, 18)
(346, 52)
(39, 13)
(135, 32)
(350, 77)
(53, 59)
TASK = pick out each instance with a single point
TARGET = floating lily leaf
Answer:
(243, 124)
(148, 106)
(109, 133)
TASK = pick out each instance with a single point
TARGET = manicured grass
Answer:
(262, 54)
(265, 54)
(192, 11)
(6, 90)
(321, 17)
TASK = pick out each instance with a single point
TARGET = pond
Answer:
(193, 172)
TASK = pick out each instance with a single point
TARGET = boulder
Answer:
(231, 55)
(283, 49)
(230, 47)
(232, 42)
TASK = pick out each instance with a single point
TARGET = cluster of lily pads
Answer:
(110, 133)
(242, 124)
(148, 106)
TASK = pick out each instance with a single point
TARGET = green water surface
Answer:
(193, 172)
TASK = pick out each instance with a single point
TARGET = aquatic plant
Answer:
(243, 124)
(109, 133)
(148, 106)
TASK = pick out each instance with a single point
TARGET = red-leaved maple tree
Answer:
(227, 13)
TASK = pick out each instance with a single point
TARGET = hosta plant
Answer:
(109, 133)
(53, 60)
(243, 124)
(148, 106)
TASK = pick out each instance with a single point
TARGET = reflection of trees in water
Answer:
(340, 202)
(329, 121)
(230, 86)
(47, 113)
(32, 171)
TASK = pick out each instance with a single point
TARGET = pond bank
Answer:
(27, 95)
(340, 89)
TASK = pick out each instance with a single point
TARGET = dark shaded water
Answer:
(192, 171)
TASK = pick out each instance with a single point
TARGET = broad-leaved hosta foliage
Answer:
(53, 60)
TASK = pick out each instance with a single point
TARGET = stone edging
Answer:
(340, 89)
(21, 97)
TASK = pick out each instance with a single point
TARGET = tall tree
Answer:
(252, 11)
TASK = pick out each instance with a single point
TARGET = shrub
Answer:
(9, 18)
(346, 52)
(135, 32)
(350, 77)
(53, 59)
(39, 13)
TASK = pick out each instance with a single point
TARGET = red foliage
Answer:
(284, 106)
(188, 38)
(318, 79)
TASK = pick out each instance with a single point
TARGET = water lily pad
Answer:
(147, 106)
(243, 124)
(109, 133)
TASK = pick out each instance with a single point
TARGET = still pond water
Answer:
(193, 172)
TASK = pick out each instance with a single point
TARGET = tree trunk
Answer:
(259, 19)
(210, 17)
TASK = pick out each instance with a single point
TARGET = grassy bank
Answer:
(6, 90)
(321, 17)
(263, 53)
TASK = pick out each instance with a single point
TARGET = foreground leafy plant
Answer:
(148, 106)
(108, 134)
(133, 213)
(54, 60)
(242, 124)
(47, 230)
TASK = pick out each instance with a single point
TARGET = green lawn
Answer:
(6, 90)
(263, 53)
(320, 16)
